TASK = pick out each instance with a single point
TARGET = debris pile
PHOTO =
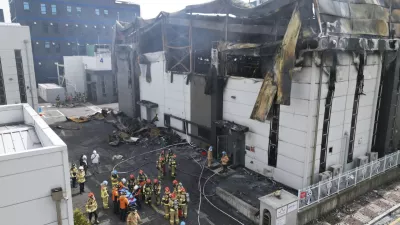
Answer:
(136, 131)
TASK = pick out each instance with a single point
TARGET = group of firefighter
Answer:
(175, 201)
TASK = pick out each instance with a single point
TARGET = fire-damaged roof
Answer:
(278, 32)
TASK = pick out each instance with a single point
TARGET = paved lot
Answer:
(94, 134)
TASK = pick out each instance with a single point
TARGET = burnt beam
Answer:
(220, 26)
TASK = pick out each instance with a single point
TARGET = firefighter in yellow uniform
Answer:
(133, 218)
(157, 191)
(148, 191)
(165, 201)
(172, 166)
(161, 167)
(173, 210)
(183, 202)
(114, 178)
(175, 185)
(81, 179)
(91, 208)
(73, 172)
(104, 194)
(224, 162)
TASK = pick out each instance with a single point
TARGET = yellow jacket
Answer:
(81, 177)
(114, 180)
(91, 205)
(165, 199)
(104, 192)
(133, 218)
(72, 171)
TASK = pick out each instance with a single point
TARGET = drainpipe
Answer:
(29, 72)
(321, 65)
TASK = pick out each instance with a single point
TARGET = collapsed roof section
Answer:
(264, 41)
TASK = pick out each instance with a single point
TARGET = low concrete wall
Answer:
(325, 206)
(244, 208)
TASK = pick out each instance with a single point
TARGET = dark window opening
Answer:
(243, 66)
(20, 75)
(26, 6)
(58, 47)
(53, 10)
(327, 116)
(204, 132)
(167, 120)
(55, 28)
(202, 61)
(115, 86)
(45, 27)
(103, 86)
(273, 136)
(358, 93)
(3, 99)
(330, 149)
(43, 9)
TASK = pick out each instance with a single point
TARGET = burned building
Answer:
(290, 89)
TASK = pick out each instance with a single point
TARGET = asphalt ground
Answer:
(94, 135)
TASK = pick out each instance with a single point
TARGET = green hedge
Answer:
(80, 218)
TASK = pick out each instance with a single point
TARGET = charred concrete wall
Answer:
(169, 91)
(124, 81)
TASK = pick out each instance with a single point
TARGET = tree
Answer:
(79, 218)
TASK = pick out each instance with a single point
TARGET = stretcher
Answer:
(131, 198)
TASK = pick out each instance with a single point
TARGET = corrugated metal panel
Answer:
(18, 138)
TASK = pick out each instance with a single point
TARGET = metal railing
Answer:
(323, 189)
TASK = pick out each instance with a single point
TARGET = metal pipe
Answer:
(58, 210)
(29, 72)
(317, 117)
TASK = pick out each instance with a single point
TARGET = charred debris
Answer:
(220, 39)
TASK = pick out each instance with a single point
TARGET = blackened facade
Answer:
(64, 28)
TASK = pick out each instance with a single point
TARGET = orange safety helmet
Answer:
(132, 176)
(175, 182)
(148, 181)
(90, 195)
(166, 189)
(155, 181)
(141, 171)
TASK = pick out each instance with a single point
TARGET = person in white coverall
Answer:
(95, 161)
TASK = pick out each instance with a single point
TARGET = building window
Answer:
(53, 10)
(78, 11)
(45, 27)
(26, 6)
(69, 10)
(47, 46)
(97, 11)
(58, 47)
(43, 8)
(21, 77)
(55, 27)
(105, 12)
(3, 100)
(103, 86)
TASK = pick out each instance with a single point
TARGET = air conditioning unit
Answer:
(325, 176)
(336, 170)
(373, 156)
(362, 160)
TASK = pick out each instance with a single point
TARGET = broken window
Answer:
(202, 61)
(274, 136)
(243, 66)
(3, 100)
(20, 75)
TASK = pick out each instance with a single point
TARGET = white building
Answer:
(17, 73)
(91, 75)
(33, 162)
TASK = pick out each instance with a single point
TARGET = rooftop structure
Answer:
(32, 154)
